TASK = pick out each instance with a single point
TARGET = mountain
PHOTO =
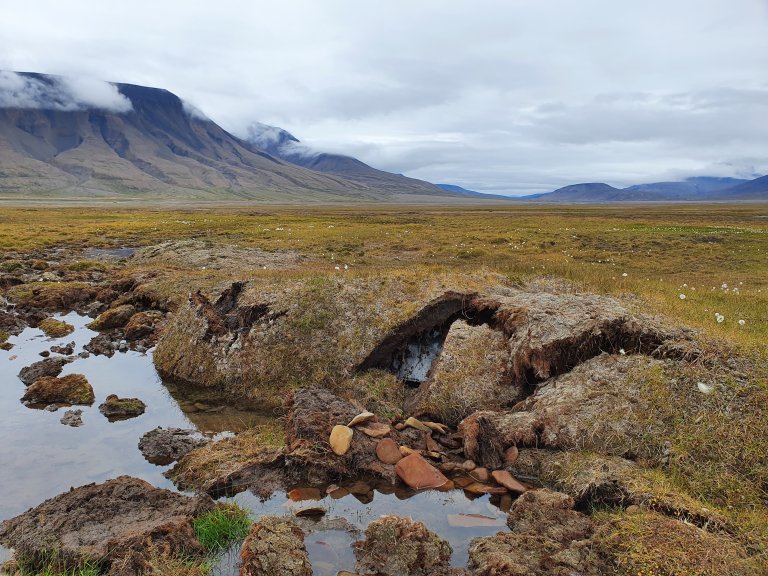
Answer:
(695, 189)
(472, 193)
(284, 145)
(63, 137)
(756, 189)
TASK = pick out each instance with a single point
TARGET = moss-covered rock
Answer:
(115, 408)
(116, 317)
(55, 328)
(68, 390)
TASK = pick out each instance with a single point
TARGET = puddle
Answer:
(109, 253)
(331, 550)
(40, 457)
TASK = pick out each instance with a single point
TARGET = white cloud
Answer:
(59, 93)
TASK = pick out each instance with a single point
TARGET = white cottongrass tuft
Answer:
(625, 274)
(742, 322)
(682, 296)
(719, 317)
(704, 388)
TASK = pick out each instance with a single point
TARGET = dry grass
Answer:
(224, 457)
(649, 544)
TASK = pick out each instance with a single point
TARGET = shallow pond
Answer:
(40, 457)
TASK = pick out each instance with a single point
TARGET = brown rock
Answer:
(400, 426)
(510, 455)
(299, 494)
(375, 429)
(478, 488)
(480, 474)
(468, 465)
(341, 439)
(388, 451)
(432, 446)
(509, 482)
(69, 390)
(407, 451)
(274, 546)
(117, 522)
(336, 492)
(463, 481)
(418, 473)
(312, 512)
(396, 546)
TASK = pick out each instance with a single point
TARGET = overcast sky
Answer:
(499, 96)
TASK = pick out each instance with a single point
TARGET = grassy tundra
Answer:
(703, 266)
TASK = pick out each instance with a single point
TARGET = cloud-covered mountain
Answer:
(62, 137)
(285, 145)
(695, 189)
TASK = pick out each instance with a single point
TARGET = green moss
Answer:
(55, 328)
(4, 336)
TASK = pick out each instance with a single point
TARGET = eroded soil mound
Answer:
(117, 524)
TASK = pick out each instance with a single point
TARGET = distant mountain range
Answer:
(700, 189)
(65, 138)
(73, 138)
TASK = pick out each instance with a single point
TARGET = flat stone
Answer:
(432, 446)
(509, 482)
(468, 465)
(68, 390)
(437, 427)
(341, 439)
(362, 417)
(417, 473)
(388, 451)
(375, 430)
(478, 488)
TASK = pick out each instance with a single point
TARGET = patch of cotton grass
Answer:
(719, 317)
(704, 388)
(681, 296)
(742, 322)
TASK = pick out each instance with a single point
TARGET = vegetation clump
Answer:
(222, 526)
(55, 328)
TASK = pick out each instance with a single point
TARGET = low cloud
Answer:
(278, 141)
(59, 93)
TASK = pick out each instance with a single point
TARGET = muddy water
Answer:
(40, 457)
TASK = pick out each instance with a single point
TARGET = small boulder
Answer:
(68, 390)
(419, 474)
(395, 546)
(113, 318)
(341, 439)
(274, 546)
(72, 418)
(162, 446)
(115, 408)
(510, 455)
(47, 367)
(388, 451)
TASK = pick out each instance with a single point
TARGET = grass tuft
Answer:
(220, 527)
